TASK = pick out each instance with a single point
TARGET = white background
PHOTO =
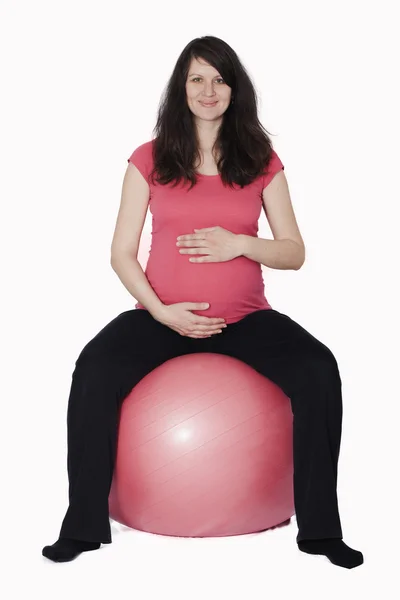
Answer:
(81, 82)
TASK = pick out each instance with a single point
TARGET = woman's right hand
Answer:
(179, 317)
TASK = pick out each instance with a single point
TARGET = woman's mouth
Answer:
(208, 105)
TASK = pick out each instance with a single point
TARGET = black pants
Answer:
(134, 343)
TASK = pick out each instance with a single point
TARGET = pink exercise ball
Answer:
(204, 449)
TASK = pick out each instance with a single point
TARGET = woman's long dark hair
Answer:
(242, 143)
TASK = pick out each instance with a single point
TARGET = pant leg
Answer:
(107, 369)
(307, 372)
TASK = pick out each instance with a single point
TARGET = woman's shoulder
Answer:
(142, 158)
(143, 150)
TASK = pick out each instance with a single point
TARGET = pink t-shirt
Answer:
(234, 288)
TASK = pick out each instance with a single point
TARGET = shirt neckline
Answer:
(203, 175)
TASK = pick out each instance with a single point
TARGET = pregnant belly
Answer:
(233, 287)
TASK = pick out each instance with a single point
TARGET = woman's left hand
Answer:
(216, 243)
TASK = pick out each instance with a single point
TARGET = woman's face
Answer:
(205, 85)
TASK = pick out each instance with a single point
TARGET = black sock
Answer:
(66, 549)
(335, 549)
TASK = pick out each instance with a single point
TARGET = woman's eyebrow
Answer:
(191, 74)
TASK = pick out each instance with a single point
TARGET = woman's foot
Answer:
(66, 549)
(335, 549)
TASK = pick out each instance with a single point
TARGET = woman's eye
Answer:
(219, 79)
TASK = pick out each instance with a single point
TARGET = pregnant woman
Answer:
(205, 177)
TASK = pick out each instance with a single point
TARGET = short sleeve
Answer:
(142, 158)
(274, 166)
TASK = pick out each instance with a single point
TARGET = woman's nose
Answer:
(208, 89)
